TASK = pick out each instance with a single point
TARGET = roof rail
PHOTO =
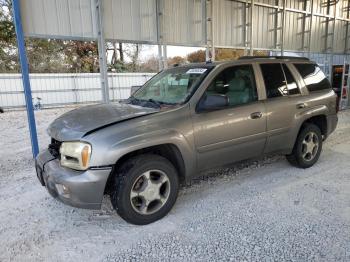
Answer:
(274, 57)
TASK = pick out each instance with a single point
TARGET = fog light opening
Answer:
(63, 190)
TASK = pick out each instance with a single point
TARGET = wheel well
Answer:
(320, 121)
(168, 151)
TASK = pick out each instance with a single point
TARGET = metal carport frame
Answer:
(25, 77)
(202, 23)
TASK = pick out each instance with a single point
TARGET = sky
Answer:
(149, 51)
(152, 50)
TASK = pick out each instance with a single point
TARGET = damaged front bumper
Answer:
(83, 189)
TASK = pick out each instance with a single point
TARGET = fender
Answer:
(304, 116)
(155, 138)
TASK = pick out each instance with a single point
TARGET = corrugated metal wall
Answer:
(59, 18)
(63, 89)
(231, 21)
(182, 22)
(178, 22)
(130, 20)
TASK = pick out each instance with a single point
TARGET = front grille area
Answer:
(54, 147)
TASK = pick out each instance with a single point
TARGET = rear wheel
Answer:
(145, 189)
(307, 148)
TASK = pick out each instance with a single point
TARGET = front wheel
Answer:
(307, 148)
(145, 189)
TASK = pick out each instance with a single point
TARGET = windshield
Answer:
(172, 86)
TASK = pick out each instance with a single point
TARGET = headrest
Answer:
(220, 86)
(240, 73)
(237, 85)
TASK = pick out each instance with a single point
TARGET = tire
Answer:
(303, 155)
(134, 187)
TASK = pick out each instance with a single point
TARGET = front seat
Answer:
(238, 93)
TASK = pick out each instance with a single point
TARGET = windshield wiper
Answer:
(158, 103)
(133, 100)
(146, 102)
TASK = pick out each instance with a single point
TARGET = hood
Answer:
(75, 124)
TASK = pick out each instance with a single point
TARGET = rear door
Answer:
(284, 100)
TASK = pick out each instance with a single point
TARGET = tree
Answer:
(8, 51)
(150, 65)
(116, 63)
(133, 52)
(222, 54)
(176, 60)
(196, 57)
(81, 56)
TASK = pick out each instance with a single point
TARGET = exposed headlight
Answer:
(75, 155)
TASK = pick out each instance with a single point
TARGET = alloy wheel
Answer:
(150, 192)
(310, 146)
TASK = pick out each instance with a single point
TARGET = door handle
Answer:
(256, 115)
(301, 105)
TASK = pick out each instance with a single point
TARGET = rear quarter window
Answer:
(313, 76)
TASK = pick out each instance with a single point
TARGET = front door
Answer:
(237, 131)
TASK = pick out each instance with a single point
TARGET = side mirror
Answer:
(212, 102)
(134, 89)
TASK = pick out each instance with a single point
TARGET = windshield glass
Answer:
(172, 86)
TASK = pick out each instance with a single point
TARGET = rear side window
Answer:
(314, 78)
(292, 86)
(275, 83)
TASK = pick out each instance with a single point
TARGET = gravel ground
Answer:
(262, 210)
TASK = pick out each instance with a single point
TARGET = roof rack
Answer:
(274, 57)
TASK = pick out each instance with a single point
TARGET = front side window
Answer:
(237, 83)
(275, 82)
(172, 86)
(313, 76)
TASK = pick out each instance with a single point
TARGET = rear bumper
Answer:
(332, 122)
(83, 189)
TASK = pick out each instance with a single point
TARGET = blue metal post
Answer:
(25, 76)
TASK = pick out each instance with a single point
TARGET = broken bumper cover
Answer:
(83, 189)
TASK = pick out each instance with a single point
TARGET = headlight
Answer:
(75, 155)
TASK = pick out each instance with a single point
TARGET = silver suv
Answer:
(184, 120)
